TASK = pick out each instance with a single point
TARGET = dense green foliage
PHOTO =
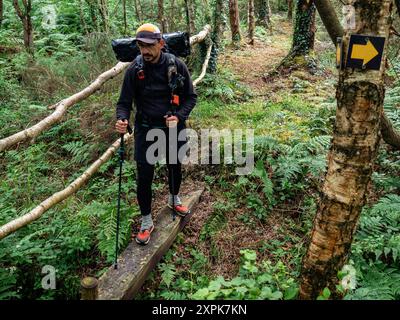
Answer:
(277, 201)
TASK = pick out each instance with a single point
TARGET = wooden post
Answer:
(89, 288)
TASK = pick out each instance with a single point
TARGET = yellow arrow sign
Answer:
(365, 52)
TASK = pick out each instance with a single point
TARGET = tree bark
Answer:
(92, 4)
(1, 12)
(329, 18)
(161, 18)
(82, 17)
(26, 20)
(137, 11)
(103, 9)
(251, 22)
(234, 21)
(335, 30)
(124, 14)
(355, 143)
(218, 30)
(263, 10)
(290, 10)
(190, 17)
(304, 29)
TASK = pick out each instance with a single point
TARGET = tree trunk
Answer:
(329, 19)
(172, 15)
(124, 14)
(161, 18)
(190, 16)
(360, 95)
(137, 11)
(290, 10)
(264, 14)
(304, 29)
(92, 9)
(1, 12)
(335, 30)
(26, 20)
(82, 18)
(251, 22)
(103, 9)
(234, 21)
(216, 35)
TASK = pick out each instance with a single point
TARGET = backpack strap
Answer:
(175, 82)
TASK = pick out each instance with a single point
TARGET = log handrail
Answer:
(63, 105)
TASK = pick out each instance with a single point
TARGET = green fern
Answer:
(8, 284)
(79, 150)
(168, 273)
(108, 228)
(215, 222)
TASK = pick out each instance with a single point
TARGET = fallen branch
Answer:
(204, 68)
(50, 202)
(201, 35)
(63, 105)
(62, 108)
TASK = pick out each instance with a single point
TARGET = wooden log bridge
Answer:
(136, 262)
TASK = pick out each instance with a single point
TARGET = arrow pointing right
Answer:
(365, 52)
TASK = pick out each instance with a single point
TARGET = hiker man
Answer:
(150, 81)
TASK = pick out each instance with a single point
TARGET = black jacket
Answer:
(153, 95)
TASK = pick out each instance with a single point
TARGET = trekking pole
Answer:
(169, 114)
(121, 152)
(173, 194)
(121, 161)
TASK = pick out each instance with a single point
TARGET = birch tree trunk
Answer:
(360, 95)
(234, 21)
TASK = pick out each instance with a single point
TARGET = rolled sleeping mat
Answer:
(177, 43)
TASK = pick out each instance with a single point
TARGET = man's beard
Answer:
(148, 58)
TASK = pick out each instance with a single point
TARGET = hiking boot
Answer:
(143, 237)
(180, 209)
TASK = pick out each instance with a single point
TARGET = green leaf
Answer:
(326, 293)
(290, 293)
(201, 294)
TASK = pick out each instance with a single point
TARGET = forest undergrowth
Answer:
(247, 236)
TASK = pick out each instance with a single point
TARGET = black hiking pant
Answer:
(145, 170)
